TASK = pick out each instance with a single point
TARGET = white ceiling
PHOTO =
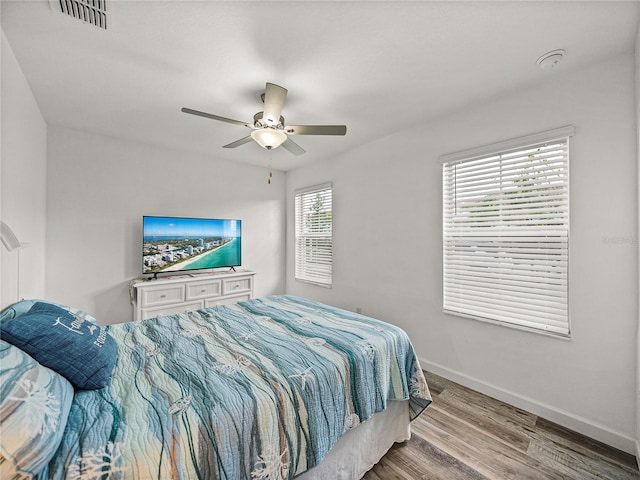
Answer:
(377, 67)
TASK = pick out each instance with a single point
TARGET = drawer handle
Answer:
(203, 290)
(164, 295)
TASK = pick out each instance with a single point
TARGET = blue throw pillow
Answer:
(23, 306)
(82, 352)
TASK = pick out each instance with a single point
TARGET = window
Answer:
(313, 225)
(506, 232)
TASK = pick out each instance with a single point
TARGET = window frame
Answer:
(312, 268)
(458, 291)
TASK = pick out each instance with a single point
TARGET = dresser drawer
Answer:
(236, 285)
(170, 309)
(204, 289)
(227, 300)
(162, 295)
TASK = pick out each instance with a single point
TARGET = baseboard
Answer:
(574, 422)
(638, 452)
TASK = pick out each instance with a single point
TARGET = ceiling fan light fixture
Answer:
(269, 138)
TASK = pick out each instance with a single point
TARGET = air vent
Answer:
(93, 12)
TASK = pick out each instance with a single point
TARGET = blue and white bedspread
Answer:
(258, 390)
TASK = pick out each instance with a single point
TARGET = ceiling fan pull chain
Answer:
(270, 172)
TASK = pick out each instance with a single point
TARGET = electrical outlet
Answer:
(358, 309)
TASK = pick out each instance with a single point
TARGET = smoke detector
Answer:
(550, 59)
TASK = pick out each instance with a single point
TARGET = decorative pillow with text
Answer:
(79, 350)
(23, 306)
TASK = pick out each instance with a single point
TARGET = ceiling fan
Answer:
(269, 129)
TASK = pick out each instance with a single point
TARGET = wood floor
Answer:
(465, 435)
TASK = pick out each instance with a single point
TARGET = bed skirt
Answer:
(358, 450)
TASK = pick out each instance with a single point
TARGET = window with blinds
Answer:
(313, 235)
(506, 232)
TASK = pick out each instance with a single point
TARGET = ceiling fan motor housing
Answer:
(258, 121)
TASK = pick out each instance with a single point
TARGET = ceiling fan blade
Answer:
(316, 129)
(237, 143)
(293, 147)
(274, 97)
(216, 117)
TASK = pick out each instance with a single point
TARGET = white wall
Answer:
(388, 244)
(98, 189)
(23, 183)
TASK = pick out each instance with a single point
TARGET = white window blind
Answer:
(313, 232)
(506, 233)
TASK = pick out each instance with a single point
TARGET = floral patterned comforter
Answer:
(261, 389)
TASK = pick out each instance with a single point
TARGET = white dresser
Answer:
(181, 293)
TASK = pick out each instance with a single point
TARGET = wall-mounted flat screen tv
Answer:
(174, 244)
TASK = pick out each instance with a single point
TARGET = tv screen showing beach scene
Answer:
(172, 244)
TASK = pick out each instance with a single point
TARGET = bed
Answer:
(271, 388)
